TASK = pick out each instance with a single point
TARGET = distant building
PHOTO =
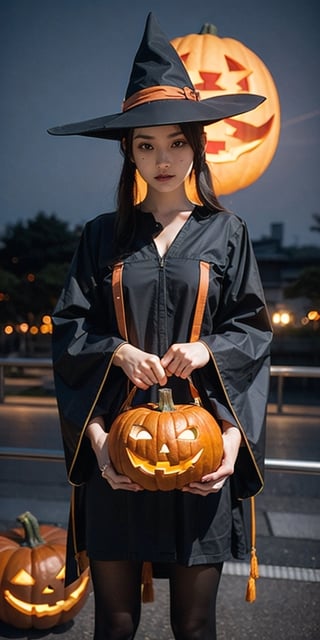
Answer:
(280, 266)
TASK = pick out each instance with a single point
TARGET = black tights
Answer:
(117, 590)
(193, 593)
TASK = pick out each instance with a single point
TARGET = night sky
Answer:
(68, 60)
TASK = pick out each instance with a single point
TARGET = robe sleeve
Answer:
(240, 357)
(85, 339)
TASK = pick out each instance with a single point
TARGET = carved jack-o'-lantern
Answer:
(239, 149)
(163, 446)
(32, 572)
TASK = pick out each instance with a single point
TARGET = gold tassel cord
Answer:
(254, 568)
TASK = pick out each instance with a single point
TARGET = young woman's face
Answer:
(162, 156)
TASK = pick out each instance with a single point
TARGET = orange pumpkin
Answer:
(239, 149)
(162, 446)
(32, 571)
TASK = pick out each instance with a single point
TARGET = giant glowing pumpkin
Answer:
(165, 446)
(32, 572)
(239, 149)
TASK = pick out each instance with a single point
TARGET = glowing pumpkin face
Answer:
(32, 577)
(239, 149)
(164, 447)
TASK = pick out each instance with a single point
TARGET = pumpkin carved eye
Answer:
(139, 433)
(62, 573)
(188, 434)
(23, 578)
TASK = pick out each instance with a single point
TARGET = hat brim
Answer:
(162, 112)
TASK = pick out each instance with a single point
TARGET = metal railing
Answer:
(52, 455)
(279, 371)
(20, 363)
(284, 371)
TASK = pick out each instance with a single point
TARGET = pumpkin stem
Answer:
(31, 530)
(209, 28)
(166, 400)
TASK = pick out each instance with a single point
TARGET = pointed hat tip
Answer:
(158, 69)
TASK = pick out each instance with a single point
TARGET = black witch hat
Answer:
(160, 92)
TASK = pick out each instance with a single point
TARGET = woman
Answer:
(187, 534)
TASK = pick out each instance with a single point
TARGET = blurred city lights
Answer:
(34, 330)
(282, 318)
(45, 327)
(8, 329)
(313, 315)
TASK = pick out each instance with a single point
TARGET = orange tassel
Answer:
(147, 582)
(254, 568)
(254, 575)
(251, 590)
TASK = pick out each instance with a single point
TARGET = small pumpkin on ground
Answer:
(32, 572)
(163, 446)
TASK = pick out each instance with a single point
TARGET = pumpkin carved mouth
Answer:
(47, 609)
(239, 138)
(163, 466)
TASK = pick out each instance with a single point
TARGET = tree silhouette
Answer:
(307, 285)
(29, 246)
(34, 257)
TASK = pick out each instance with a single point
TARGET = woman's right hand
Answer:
(99, 442)
(143, 369)
(117, 480)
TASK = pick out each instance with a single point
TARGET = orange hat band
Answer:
(163, 92)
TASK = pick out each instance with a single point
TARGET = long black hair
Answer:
(127, 187)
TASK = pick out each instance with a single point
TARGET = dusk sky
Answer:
(69, 60)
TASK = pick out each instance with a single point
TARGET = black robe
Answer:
(159, 299)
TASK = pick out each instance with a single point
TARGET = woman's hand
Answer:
(118, 481)
(182, 358)
(99, 442)
(143, 369)
(213, 482)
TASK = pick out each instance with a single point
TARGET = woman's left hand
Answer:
(183, 357)
(213, 482)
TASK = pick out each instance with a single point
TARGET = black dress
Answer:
(159, 299)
